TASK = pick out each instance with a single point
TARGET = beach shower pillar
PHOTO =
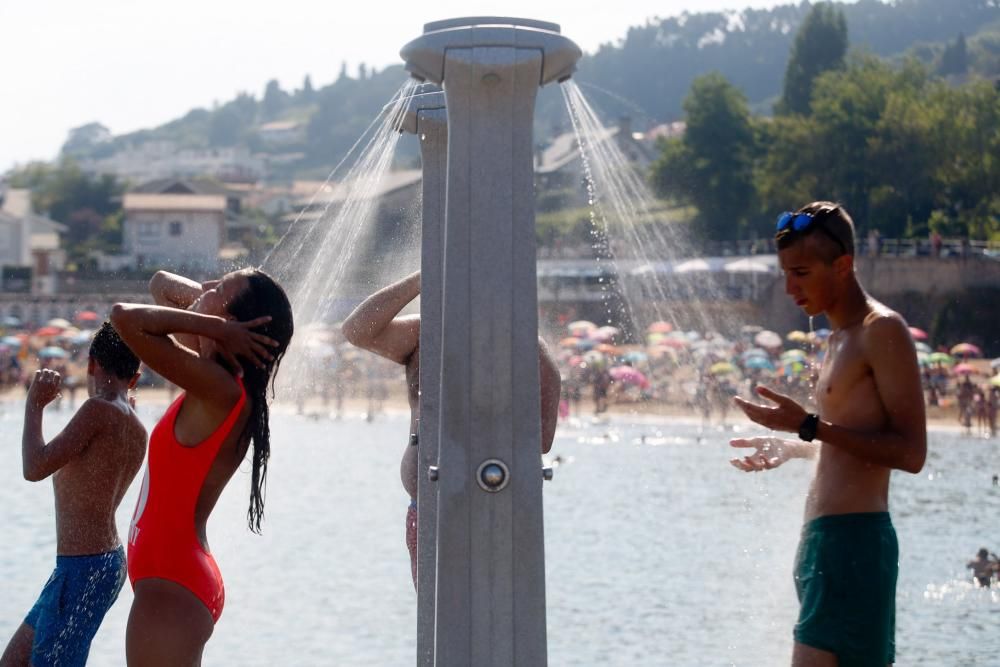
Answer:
(489, 601)
(425, 116)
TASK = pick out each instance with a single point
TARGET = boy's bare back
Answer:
(89, 488)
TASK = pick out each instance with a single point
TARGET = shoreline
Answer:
(938, 418)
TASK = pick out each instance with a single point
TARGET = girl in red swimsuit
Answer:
(221, 342)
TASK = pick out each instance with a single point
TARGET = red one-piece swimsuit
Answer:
(162, 541)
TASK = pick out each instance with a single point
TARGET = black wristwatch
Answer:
(807, 431)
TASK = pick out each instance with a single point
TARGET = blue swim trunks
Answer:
(72, 605)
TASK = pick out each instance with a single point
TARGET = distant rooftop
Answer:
(135, 201)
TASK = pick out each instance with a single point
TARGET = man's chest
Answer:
(845, 377)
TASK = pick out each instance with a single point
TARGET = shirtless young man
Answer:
(870, 421)
(376, 325)
(92, 462)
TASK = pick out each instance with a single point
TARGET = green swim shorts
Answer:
(845, 577)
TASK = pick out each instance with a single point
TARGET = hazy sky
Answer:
(131, 64)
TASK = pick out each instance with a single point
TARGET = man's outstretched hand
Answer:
(769, 452)
(787, 415)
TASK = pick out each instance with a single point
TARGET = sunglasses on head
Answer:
(797, 222)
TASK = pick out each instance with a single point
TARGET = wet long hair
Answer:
(263, 296)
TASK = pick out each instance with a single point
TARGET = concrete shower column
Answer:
(425, 116)
(490, 583)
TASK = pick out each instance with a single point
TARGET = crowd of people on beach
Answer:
(854, 396)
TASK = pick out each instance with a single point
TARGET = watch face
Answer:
(808, 429)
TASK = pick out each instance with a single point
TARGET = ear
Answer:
(91, 365)
(844, 266)
(134, 380)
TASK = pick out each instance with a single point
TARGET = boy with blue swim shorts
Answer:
(869, 420)
(92, 462)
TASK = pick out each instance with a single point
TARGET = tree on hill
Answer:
(275, 101)
(231, 122)
(955, 59)
(306, 94)
(712, 165)
(820, 45)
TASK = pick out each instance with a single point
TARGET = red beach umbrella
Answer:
(918, 334)
(966, 350)
(87, 316)
(965, 369)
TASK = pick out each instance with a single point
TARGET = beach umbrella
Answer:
(635, 356)
(608, 349)
(87, 316)
(52, 352)
(755, 352)
(10, 321)
(793, 355)
(793, 368)
(923, 347)
(570, 341)
(995, 363)
(82, 338)
(922, 358)
(595, 358)
(722, 368)
(692, 266)
(660, 327)
(608, 331)
(585, 344)
(918, 334)
(768, 339)
(966, 350)
(940, 358)
(12, 341)
(629, 375)
(580, 327)
(995, 381)
(822, 334)
(58, 322)
(797, 336)
(758, 363)
(965, 369)
(673, 343)
(654, 338)
(48, 331)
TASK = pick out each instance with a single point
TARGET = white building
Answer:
(174, 230)
(164, 159)
(29, 241)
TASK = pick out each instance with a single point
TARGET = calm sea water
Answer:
(659, 553)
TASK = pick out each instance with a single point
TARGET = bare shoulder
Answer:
(119, 419)
(883, 327)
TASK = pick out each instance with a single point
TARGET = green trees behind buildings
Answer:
(906, 152)
(711, 166)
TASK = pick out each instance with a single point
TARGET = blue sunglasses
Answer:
(789, 221)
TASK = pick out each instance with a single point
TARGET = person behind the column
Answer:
(870, 421)
(91, 461)
(376, 325)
